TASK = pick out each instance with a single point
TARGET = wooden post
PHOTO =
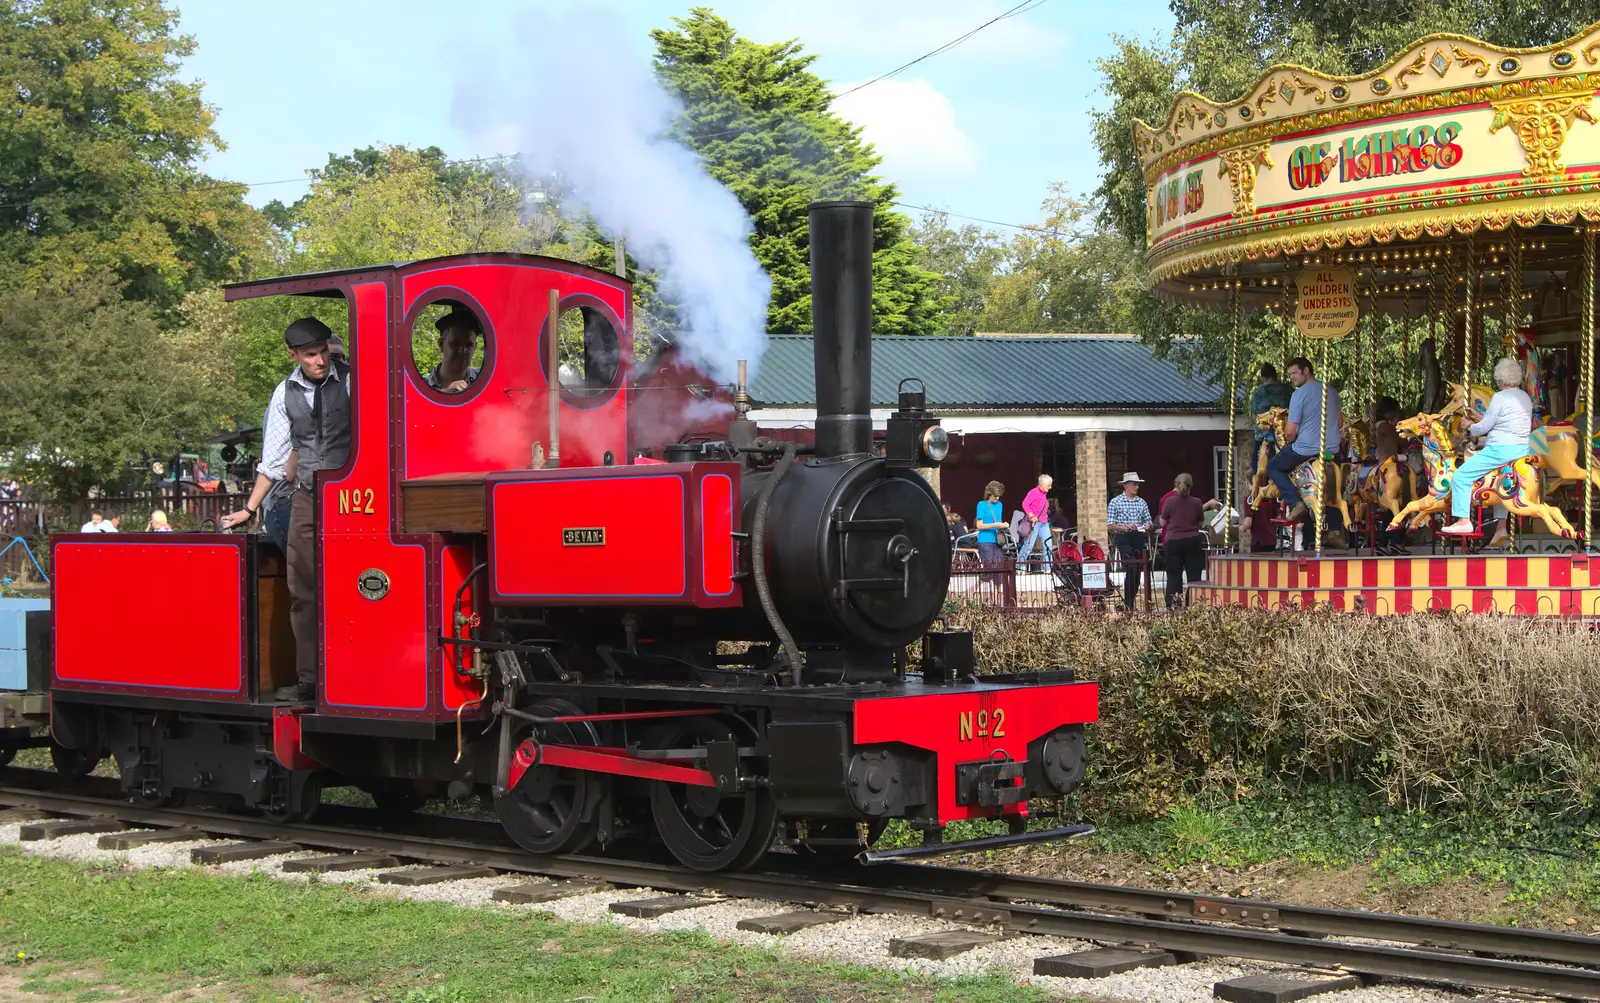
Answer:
(622, 258)
(553, 458)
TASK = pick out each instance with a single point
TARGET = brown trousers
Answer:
(302, 558)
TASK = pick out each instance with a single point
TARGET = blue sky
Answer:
(980, 130)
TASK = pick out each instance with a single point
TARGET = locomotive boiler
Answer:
(710, 651)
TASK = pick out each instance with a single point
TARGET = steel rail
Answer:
(1186, 937)
(1546, 945)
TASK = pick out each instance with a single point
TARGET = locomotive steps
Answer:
(1082, 938)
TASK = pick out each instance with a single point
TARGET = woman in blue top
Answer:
(990, 518)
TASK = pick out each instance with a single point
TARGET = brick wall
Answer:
(1091, 486)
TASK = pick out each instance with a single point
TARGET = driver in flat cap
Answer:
(309, 414)
(458, 340)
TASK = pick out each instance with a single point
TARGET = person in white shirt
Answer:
(309, 415)
(1508, 423)
(98, 523)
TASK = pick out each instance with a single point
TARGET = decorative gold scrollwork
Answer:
(1589, 52)
(1310, 87)
(1267, 97)
(1466, 58)
(1239, 167)
(1541, 127)
(1410, 70)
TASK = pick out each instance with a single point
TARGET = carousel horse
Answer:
(1304, 476)
(1367, 480)
(1259, 483)
(1556, 444)
(1515, 485)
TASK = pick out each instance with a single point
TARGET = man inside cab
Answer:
(458, 340)
(310, 416)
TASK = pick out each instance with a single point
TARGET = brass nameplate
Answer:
(593, 537)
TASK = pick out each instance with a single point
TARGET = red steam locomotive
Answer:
(708, 648)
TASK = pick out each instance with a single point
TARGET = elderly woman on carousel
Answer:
(1508, 422)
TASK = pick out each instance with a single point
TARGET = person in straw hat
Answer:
(1128, 520)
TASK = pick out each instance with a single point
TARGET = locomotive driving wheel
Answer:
(705, 829)
(551, 809)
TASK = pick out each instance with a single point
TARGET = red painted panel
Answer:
(1438, 572)
(716, 539)
(455, 562)
(374, 650)
(1560, 572)
(150, 616)
(1369, 573)
(1477, 572)
(933, 722)
(644, 556)
(494, 425)
(1517, 573)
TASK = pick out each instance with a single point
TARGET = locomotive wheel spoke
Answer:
(544, 812)
(705, 831)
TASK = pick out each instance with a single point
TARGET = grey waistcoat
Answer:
(320, 431)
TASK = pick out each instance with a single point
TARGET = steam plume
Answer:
(581, 108)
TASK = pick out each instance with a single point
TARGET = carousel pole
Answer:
(1405, 343)
(1372, 345)
(1588, 383)
(1469, 272)
(1512, 315)
(1320, 513)
(1510, 322)
(1233, 404)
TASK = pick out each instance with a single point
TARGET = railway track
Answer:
(1149, 926)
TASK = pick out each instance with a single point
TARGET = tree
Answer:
(1064, 275)
(99, 153)
(760, 119)
(109, 386)
(967, 261)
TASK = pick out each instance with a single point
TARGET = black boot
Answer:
(298, 693)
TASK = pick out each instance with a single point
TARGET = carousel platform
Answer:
(1548, 585)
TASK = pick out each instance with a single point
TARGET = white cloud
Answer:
(899, 30)
(914, 128)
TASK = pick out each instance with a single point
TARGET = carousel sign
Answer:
(1327, 304)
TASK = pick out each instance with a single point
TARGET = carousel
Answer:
(1404, 231)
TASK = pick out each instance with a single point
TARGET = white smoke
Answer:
(579, 106)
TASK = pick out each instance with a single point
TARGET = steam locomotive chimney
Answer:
(841, 324)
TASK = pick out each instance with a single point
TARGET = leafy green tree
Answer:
(1064, 275)
(967, 261)
(99, 154)
(760, 119)
(120, 386)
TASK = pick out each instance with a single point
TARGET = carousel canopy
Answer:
(1395, 173)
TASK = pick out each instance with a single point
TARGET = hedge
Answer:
(1216, 701)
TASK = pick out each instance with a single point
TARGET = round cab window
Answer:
(448, 347)
(590, 356)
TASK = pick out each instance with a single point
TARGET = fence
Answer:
(34, 521)
(1038, 585)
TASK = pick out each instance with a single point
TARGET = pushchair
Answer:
(1069, 574)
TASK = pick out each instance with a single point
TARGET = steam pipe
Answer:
(841, 325)
(554, 457)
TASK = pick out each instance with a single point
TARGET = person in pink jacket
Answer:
(1037, 508)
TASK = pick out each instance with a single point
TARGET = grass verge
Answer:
(71, 931)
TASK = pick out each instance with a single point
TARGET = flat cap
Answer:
(306, 331)
(459, 317)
